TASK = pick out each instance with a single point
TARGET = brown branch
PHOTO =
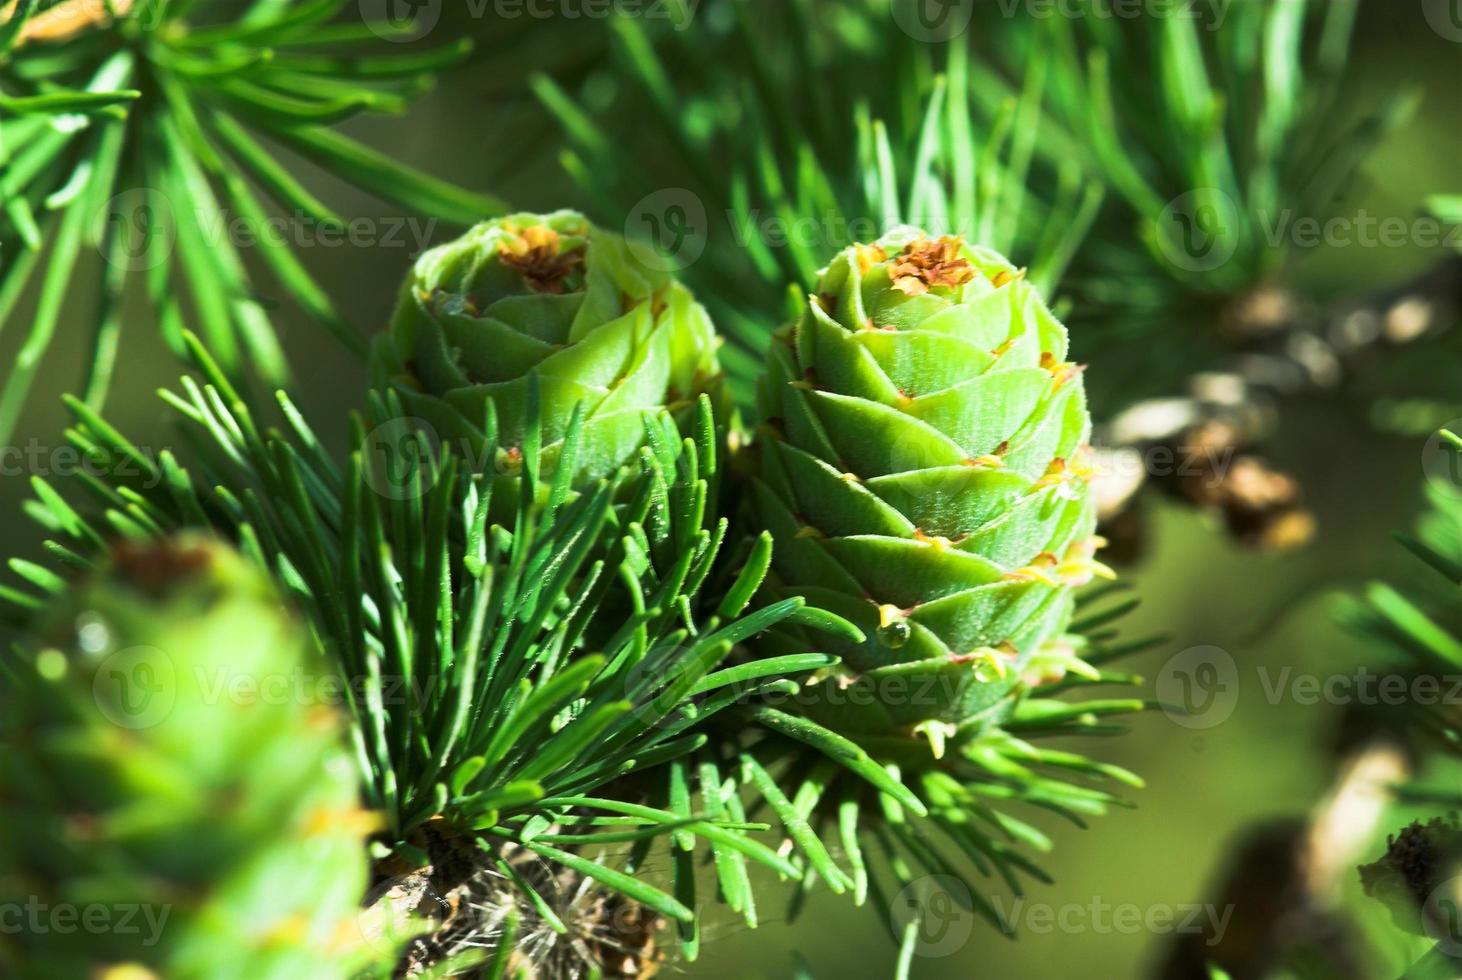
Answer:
(1280, 889)
(1204, 446)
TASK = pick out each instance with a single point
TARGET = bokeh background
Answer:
(1272, 758)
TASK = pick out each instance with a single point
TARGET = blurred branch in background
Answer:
(1281, 885)
(1021, 133)
(1417, 878)
(1201, 446)
(147, 132)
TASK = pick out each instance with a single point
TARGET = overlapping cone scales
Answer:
(587, 313)
(925, 467)
(168, 753)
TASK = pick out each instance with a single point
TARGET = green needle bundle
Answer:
(550, 300)
(923, 475)
(173, 788)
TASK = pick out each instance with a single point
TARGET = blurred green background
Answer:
(1272, 758)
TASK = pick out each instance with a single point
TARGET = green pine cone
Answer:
(176, 797)
(549, 297)
(923, 475)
